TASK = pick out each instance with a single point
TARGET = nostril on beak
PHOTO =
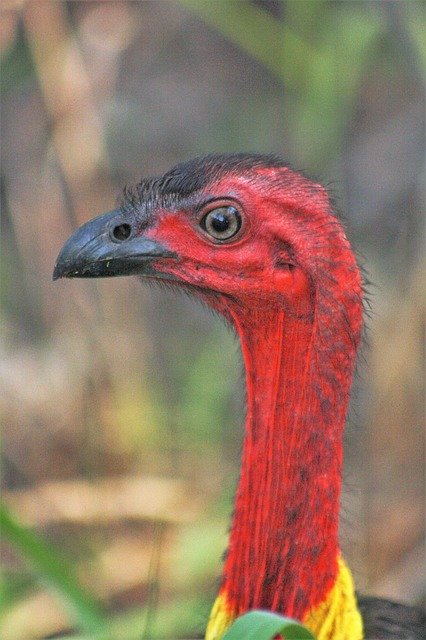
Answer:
(121, 232)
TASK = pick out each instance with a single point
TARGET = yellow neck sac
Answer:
(336, 618)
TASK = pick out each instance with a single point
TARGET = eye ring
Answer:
(221, 223)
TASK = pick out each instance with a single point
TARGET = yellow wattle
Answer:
(336, 618)
(220, 618)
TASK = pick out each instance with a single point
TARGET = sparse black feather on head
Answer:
(194, 175)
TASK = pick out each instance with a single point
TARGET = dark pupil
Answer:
(121, 231)
(220, 222)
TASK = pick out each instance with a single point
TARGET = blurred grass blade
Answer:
(259, 34)
(55, 571)
(413, 17)
(265, 625)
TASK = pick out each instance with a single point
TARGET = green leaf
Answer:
(56, 572)
(265, 625)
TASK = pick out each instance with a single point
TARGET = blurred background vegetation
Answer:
(122, 406)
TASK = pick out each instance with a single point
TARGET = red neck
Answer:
(284, 538)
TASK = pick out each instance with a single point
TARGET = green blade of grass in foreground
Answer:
(56, 572)
(265, 625)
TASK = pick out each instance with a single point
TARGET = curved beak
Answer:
(93, 252)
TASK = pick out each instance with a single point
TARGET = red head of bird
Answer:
(260, 244)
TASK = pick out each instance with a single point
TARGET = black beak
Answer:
(108, 246)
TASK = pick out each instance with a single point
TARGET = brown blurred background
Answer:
(121, 405)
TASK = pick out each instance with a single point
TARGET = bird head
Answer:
(237, 230)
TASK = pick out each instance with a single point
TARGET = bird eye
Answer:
(222, 223)
(121, 232)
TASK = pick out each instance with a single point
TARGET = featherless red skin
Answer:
(291, 287)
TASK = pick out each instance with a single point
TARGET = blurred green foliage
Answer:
(320, 53)
(56, 572)
(16, 65)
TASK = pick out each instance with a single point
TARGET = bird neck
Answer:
(283, 550)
